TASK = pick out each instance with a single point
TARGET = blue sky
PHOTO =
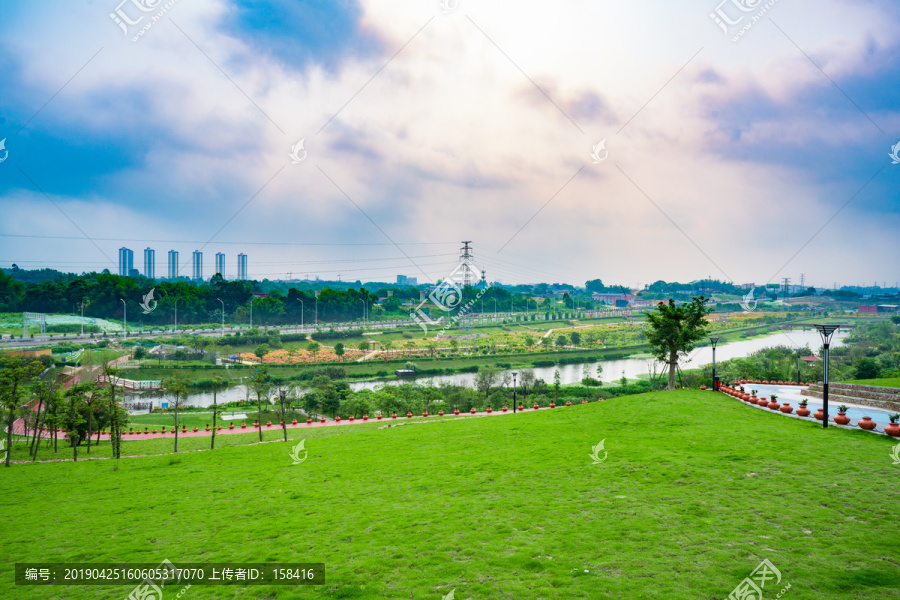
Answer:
(427, 124)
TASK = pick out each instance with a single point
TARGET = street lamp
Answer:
(826, 331)
(82, 317)
(223, 315)
(514, 391)
(251, 312)
(317, 309)
(125, 316)
(714, 341)
(176, 315)
(302, 309)
(799, 352)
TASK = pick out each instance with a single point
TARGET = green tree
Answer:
(15, 373)
(575, 337)
(364, 346)
(556, 385)
(867, 368)
(178, 388)
(561, 341)
(339, 350)
(216, 381)
(261, 351)
(313, 348)
(529, 340)
(486, 378)
(674, 329)
(260, 384)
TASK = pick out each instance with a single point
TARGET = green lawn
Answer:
(697, 489)
(889, 382)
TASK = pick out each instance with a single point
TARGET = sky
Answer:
(629, 141)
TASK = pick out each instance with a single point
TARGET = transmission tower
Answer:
(802, 279)
(465, 260)
(785, 285)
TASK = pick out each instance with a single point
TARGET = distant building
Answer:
(618, 300)
(404, 280)
(197, 262)
(173, 264)
(242, 267)
(220, 263)
(149, 263)
(126, 261)
(872, 309)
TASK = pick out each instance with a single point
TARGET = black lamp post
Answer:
(514, 390)
(799, 354)
(826, 331)
(714, 341)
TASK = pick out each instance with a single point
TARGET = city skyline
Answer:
(568, 142)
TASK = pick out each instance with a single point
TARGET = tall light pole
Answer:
(826, 331)
(317, 308)
(82, 317)
(798, 364)
(223, 315)
(714, 341)
(495, 307)
(176, 315)
(125, 316)
(514, 390)
(251, 312)
(302, 309)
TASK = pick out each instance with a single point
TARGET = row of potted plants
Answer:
(892, 429)
(767, 382)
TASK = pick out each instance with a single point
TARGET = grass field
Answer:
(893, 382)
(695, 491)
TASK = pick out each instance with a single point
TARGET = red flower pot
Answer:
(568, 403)
(757, 380)
(337, 419)
(243, 426)
(409, 415)
(195, 430)
(378, 417)
(584, 401)
(766, 381)
(294, 422)
(773, 405)
(394, 416)
(174, 430)
(138, 432)
(552, 405)
(802, 411)
(521, 408)
(762, 402)
(231, 426)
(440, 413)
(819, 415)
(130, 430)
(321, 419)
(154, 431)
(424, 413)
(536, 407)
(365, 417)
(218, 428)
(489, 409)
(892, 429)
(787, 408)
(504, 409)
(841, 418)
(268, 423)
(867, 423)
(455, 411)
(255, 423)
(753, 398)
(780, 382)
(351, 417)
(184, 429)
(280, 423)
(207, 428)
(472, 410)
(702, 387)
(308, 421)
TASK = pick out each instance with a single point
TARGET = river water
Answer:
(613, 370)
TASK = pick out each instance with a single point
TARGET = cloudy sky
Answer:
(748, 149)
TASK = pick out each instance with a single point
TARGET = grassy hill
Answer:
(696, 490)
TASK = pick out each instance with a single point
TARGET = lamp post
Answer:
(826, 331)
(82, 317)
(495, 307)
(251, 313)
(714, 341)
(317, 309)
(125, 317)
(514, 391)
(302, 309)
(798, 364)
(223, 315)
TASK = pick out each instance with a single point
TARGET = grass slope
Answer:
(885, 382)
(697, 489)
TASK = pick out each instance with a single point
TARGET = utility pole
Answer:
(465, 260)
(785, 285)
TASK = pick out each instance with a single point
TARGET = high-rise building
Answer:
(197, 262)
(220, 263)
(173, 264)
(126, 261)
(242, 267)
(149, 263)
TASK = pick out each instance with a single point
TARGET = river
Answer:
(613, 370)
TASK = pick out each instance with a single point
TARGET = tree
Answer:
(546, 341)
(674, 329)
(485, 379)
(261, 351)
(260, 384)
(575, 337)
(364, 346)
(178, 388)
(556, 385)
(282, 395)
(528, 380)
(313, 348)
(217, 381)
(339, 350)
(529, 340)
(72, 418)
(867, 368)
(15, 373)
(561, 341)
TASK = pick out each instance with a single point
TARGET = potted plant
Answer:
(893, 429)
(841, 418)
(773, 403)
(802, 411)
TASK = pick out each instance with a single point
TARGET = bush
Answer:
(543, 363)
